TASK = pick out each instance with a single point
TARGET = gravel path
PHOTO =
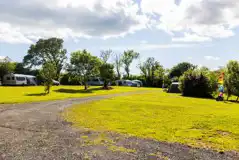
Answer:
(36, 131)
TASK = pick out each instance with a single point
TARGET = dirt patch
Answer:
(35, 131)
(223, 133)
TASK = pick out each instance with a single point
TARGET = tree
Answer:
(105, 55)
(128, 58)
(118, 64)
(231, 79)
(20, 69)
(107, 73)
(48, 73)
(106, 69)
(152, 71)
(180, 68)
(84, 65)
(197, 83)
(6, 68)
(47, 50)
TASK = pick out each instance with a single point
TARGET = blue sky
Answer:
(204, 32)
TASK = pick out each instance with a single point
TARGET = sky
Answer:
(203, 32)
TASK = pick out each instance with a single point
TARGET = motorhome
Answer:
(19, 80)
(127, 83)
(96, 82)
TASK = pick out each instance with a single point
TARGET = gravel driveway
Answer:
(36, 131)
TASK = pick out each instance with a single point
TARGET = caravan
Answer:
(19, 80)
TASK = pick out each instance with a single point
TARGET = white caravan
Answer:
(19, 80)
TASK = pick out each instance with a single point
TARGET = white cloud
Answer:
(212, 58)
(191, 38)
(68, 19)
(204, 18)
(149, 47)
(197, 20)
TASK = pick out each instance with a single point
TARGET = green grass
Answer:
(35, 94)
(165, 117)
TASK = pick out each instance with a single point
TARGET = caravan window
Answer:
(20, 78)
(8, 78)
(13, 78)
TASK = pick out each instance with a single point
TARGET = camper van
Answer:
(127, 83)
(96, 82)
(19, 80)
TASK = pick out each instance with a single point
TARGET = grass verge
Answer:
(35, 94)
(166, 117)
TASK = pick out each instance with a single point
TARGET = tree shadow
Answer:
(233, 101)
(203, 97)
(76, 91)
(36, 94)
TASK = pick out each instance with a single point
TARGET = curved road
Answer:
(36, 131)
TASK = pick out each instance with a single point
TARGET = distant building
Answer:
(5, 59)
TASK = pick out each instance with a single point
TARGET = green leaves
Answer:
(107, 73)
(198, 83)
(84, 64)
(5, 68)
(47, 50)
(180, 68)
(231, 79)
(128, 58)
(48, 73)
(152, 71)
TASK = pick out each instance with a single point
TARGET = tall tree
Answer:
(47, 50)
(152, 71)
(5, 68)
(107, 73)
(105, 55)
(84, 65)
(118, 64)
(180, 68)
(106, 69)
(21, 69)
(128, 58)
(231, 80)
(48, 74)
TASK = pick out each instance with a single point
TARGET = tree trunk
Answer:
(105, 85)
(118, 72)
(85, 83)
(237, 98)
(227, 97)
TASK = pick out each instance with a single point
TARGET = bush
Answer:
(68, 79)
(198, 83)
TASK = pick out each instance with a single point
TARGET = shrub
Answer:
(68, 79)
(198, 83)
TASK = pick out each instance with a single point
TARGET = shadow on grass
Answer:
(233, 101)
(202, 97)
(36, 94)
(75, 91)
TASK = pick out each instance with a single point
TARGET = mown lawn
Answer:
(35, 94)
(165, 117)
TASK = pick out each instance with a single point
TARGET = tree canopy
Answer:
(180, 68)
(118, 64)
(84, 65)
(47, 50)
(231, 79)
(127, 59)
(48, 73)
(152, 71)
(5, 68)
(107, 73)
(197, 83)
(105, 55)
